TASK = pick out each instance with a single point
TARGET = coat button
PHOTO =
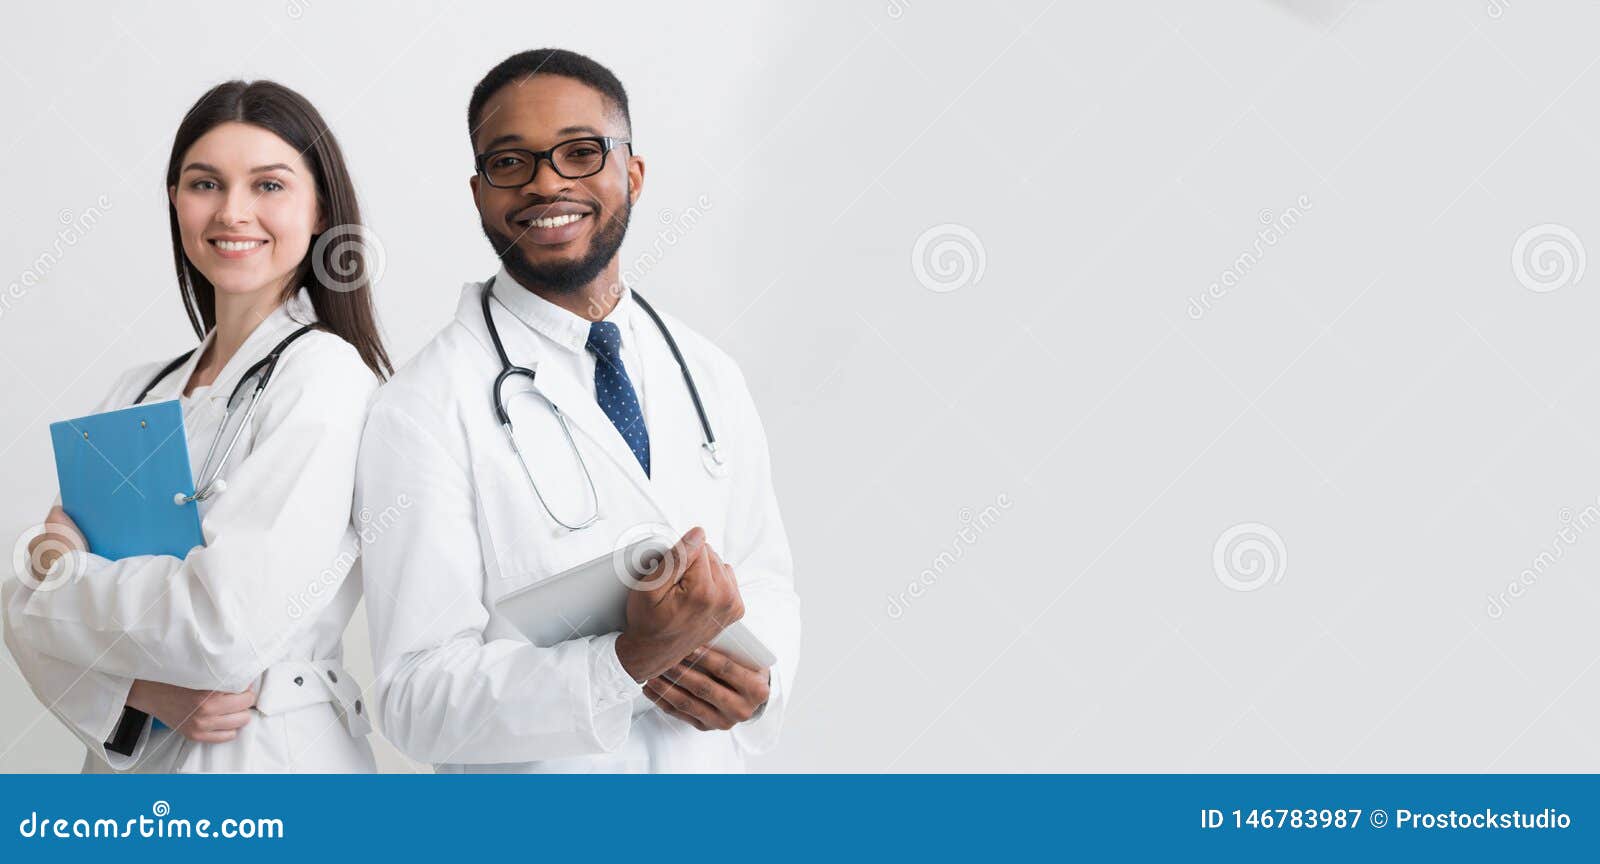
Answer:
(332, 677)
(299, 681)
(358, 706)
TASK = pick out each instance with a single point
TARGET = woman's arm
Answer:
(87, 702)
(278, 546)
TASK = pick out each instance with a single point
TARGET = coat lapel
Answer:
(675, 434)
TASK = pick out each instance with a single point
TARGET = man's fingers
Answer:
(683, 555)
(718, 695)
(697, 578)
(720, 569)
(751, 682)
(722, 575)
(687, 718)
(668, 695)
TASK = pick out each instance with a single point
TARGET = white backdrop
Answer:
(1151, 386)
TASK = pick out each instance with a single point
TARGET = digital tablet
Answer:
(591, 599)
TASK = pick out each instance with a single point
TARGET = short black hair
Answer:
(547, 61)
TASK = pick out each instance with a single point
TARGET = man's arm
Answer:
(710, 690)
(444, 692)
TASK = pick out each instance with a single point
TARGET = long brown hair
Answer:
(340, 289)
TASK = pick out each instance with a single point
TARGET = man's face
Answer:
(553, 232)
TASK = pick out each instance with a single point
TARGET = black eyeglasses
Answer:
(573, 159)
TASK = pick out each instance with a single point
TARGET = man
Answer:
(457, 685)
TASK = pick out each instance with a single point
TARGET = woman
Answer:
(235, 648)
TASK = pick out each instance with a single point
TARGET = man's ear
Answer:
(472, 182)
(635, 179)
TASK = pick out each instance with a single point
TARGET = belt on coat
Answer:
(290, 685)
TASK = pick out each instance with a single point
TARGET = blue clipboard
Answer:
(119, 472)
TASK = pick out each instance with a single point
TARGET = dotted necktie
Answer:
(614, 391)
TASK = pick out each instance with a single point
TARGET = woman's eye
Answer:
(270, 186)
(203, 185)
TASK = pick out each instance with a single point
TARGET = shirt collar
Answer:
(567, 329)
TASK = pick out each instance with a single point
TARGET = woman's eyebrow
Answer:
(202, 166)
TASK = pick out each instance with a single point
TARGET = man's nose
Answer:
(546, 182)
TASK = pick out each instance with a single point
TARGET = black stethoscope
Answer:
(710, 457)
(262, 371)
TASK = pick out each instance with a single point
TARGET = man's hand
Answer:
(60, 535)
(690, 602)
(206, 716)
(710, 690)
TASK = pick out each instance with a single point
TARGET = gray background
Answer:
(1390, 398)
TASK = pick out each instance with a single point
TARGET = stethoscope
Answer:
(710, 457)
(262, 371)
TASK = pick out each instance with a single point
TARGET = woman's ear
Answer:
(172, 195)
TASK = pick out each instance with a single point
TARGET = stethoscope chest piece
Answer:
(714, 460)
(255, 379)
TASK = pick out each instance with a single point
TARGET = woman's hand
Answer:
(206, 716)
(61, 535)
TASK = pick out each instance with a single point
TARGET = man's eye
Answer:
(584, 152)
(506, 161)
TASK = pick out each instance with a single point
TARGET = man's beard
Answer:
(563, 277)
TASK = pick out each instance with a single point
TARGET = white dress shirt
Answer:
(569, 331)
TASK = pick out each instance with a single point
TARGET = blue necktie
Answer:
(614, 391)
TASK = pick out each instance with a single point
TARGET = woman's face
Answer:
(247, 208)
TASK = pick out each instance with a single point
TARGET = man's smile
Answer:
(551, 224)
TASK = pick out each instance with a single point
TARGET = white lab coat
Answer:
(457, 685)
(263, 603)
